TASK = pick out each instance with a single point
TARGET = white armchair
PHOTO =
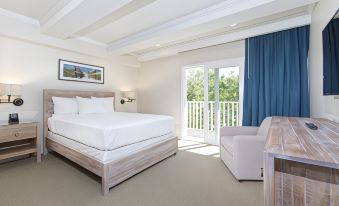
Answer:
(241, 149)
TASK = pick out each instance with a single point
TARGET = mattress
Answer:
(109, 131)
(108, 156)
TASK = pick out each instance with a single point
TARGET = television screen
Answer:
(331, 57)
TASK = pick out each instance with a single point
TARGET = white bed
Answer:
(108, 156)
(109, 131)
(114, 146)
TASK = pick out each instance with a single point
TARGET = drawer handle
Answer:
(17, 134)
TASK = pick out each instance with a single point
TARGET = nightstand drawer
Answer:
(13, 134)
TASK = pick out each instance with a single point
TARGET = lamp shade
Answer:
(15, 89)
(5, 89)
(128, 94)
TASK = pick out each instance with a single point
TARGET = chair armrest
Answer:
(234, 131)
(248, 153)
(242, 142)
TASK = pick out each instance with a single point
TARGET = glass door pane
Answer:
(211, 101)
(213, 107)
(229, 96)
(195, 104)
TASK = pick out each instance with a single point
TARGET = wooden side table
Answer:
(20, 139)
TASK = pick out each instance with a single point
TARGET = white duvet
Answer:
(108, 131)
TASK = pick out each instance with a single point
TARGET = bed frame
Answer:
(114, 172)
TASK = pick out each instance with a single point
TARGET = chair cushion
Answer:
(227, 143)
(264, 127)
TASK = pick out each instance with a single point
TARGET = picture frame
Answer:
(79, 72)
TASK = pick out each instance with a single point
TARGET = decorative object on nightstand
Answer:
(128, 96)
(10, 90)
(13, 118)
(20, 139)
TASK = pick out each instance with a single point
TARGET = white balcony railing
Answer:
(229, 114)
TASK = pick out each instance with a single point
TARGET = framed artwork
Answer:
(74, 71)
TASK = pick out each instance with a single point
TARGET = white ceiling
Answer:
(152, 15)
(211, 29)
(147, 29)
(31, 8)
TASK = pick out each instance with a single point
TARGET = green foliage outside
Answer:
(96, 76)
(228, 86)
(69, 72)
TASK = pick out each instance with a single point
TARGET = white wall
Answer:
(36, 68)
(159, 84)
(321, 106)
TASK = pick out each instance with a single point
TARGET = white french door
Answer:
(210, 99)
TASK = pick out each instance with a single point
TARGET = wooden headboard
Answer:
(49, 106)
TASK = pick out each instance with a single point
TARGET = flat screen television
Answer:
(331, 57)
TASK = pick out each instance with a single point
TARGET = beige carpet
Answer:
(195, 176)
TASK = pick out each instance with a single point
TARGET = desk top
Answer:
(290, 139)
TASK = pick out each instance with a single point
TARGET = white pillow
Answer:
(107, 103)
(89, 106)
(64, 105)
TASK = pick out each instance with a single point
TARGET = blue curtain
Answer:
(276, 76)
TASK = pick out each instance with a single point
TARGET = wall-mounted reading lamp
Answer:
(10, 90)
(128, 96)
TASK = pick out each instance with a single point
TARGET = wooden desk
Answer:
(301, 166)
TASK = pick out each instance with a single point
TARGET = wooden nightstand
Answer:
(20, 139)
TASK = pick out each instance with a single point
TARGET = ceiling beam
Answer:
(23, 28)
(226, 38)
(56, 14)
(217, 11)
(170, 39)
(78, 15)
(118, 14)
